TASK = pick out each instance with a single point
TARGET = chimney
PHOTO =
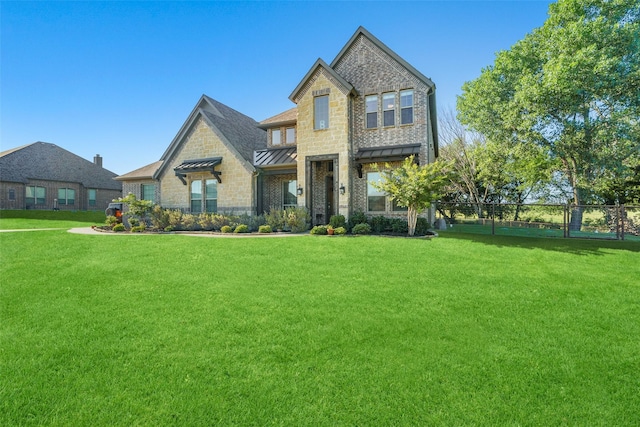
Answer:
(97, 159)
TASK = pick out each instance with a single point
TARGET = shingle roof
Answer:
(145, 172)
(287, 117)
(42, 160)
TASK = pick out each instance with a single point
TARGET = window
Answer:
(276, 138)
(375, 197)
(291, 136)
(35, 195)
(321, 112)
(91, 196)
(389, 109)
(211, 193)
(12, 194)
(371, 105)
(66, 196)
(149, 192)
(406, 107)
(289, 198)
(204, 193)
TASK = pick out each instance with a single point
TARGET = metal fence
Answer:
(616, 222)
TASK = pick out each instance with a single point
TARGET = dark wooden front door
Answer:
(330, 198)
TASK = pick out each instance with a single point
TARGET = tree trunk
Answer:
(412, 218)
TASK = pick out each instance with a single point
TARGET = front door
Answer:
(330, 198)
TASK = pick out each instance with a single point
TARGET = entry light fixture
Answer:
(342, 189)
(299, 191)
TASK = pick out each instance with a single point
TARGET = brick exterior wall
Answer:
(81, 202)
(236, 193)
(273, 195)
(135, 187)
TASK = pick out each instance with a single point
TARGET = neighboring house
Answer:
(45, 176)
(367, 107)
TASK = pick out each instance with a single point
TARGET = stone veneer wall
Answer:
(334, 140)
(236, 193)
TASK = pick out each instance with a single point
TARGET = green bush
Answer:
(138, 228)
(134, 222)
(118, 227)
(264, 229)
(226, 229)
(175, 219)
(356, 218)
(275, 218)
(168, 228)
(422, 226)
(399, 225)
(378, 223)
(337, 221)
(111, 220)
(241, 228)
(159, 217)
(340, 231)
(361, 229)
(189, 222)
(205, 221)
(297, 219)
(319, 230)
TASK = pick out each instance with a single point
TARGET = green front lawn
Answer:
(460, 329)
(25, 219)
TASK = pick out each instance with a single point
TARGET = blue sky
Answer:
(120, 78)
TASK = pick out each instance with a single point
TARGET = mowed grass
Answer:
(32, 219)
(316, 330)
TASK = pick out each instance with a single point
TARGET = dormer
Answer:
(281, 129)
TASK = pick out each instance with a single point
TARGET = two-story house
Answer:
(367, 107)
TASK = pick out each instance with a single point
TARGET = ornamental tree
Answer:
(413, 186)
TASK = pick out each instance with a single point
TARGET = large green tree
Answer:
(571, 87)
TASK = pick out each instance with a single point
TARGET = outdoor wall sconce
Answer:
(342, 189)
(299, 191)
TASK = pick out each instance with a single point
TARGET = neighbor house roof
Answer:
(145, 172)
(45, 161)
(240, 133)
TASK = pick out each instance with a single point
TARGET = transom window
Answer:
(35, 195)
(375, 197)
(204, 193)
(389, 109)
(321, 112)
(276, 137)
(371, 105)
(406, 107)
(289, 199)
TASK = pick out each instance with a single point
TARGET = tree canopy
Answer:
(572, 89)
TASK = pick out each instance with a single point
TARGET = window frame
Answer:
(287, 186)
(36, 200)
(143, 190)
(388, 112)
(408, 107)
(92, 201)
(368, 113)
(206, 202)
(379, 194)
(274, 140)
(287, 133)
(320, 111)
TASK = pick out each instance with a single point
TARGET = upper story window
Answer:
(371, 105)
(276, 137)
(389, 109)
(406, 107)
(321, 112)
(290, 136)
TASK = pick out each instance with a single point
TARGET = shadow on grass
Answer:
(574, 246)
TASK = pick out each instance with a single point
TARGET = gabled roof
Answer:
(45, 161)
(361, 31)
(285, 118)
(344, 85)
(239, 133)
(145, 172)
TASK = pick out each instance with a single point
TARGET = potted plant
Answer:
(330, 230)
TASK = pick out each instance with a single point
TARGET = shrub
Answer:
(138, 228)
(168, 228)
(264, 229)
(111, 220)
(275, 218)
(361, 229)
(241, 228)
(297, 219)
(399, 225)
(357, 217)
(189, 222)
(340, 231)
(175, 219)
(118, 227)
(134, 222)
(226, 229)
(422, 226)
(159, 217)
(205, 221)
(378, 223)
(337, 221)
(319, 230)
(219, 221)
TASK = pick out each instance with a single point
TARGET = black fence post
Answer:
(493, 218)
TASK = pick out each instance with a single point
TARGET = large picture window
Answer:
(35, 195)
(204, 193)
(406, 107)
(289, 199)
(149, 192)
(375, 197)
(371, 105)
(321, 112)
(389, 109)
